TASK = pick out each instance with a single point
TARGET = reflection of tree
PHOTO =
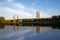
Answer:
(37, 29)
(55, 27)
(2, 26)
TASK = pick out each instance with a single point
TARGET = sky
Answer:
(28, 8)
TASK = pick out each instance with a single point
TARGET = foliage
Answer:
(2, 20)
(2, 26)
(54, 20)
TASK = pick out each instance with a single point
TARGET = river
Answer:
(29, 33)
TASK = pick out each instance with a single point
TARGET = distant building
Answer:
(37, 15)
(14, 19)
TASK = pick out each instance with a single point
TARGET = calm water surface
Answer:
(29, 33)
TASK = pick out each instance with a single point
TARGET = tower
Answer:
(14, 20)
(37, 15)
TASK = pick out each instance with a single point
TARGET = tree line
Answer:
(54, 21)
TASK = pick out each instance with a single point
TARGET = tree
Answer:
(2, 20)
(54, 18)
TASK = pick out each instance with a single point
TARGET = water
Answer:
(29, 33)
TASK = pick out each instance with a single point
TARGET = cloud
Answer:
(17, 8)
(9, 0)
(6, 12)
(20, 9)
(19, 5)
(31, 9)
(10, 12)
(26, 15)
(6, 9)
(44, 15)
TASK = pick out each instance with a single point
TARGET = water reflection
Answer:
(2, 26)
(29, 33)
(56, 27)
(37, 29)
(15, 28)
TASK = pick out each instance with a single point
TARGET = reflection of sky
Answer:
(29, 33)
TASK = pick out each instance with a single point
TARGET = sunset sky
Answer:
(28, 8)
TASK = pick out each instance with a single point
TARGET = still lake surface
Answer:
(29, 33)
